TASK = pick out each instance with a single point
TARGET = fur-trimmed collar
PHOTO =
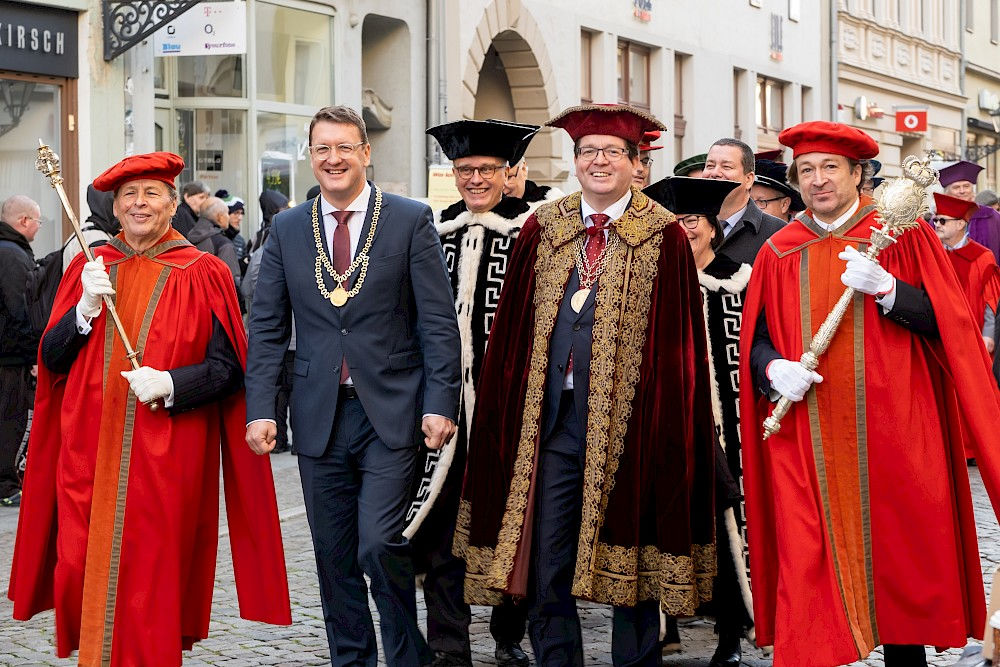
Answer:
(506, 218)
(734, 284)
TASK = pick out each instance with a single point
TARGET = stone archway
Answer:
(508, 35)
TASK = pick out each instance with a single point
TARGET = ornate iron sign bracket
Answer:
(128, 22)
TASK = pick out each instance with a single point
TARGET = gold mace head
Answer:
(47, 162)
(904, 199)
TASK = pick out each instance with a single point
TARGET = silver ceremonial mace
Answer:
(902, 200)
(47, 162)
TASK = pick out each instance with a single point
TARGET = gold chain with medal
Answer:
(589, 273)
(339, 296)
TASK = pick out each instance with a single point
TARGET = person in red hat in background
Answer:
(860, 505)
(640, 177)
(118, 527)
(594, 475)
(959, 180)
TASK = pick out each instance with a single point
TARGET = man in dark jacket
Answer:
(208, 235)
(194, 195)
(271, 202)
(20, 219)
(745, 226)
(99, 227)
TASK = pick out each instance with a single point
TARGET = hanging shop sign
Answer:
(210, 28)
(911, 120)
(38, 40)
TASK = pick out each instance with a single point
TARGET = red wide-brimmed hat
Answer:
(822, 136)
(953, 207)
(617, 120)
(158, 166)
(647, 141)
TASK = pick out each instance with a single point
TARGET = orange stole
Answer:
(836, 419)
(138, 282)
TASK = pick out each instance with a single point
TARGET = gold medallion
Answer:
(338, 297)
(579, 299)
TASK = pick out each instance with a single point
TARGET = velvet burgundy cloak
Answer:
(647, 528)
(119, 521)
(859, 509)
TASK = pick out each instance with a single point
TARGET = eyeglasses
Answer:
(762, 203)
(941, 220)
(38, 220)
(611, 153)
(645, 161)
(322, 152)
(691, 221)
(487, 171)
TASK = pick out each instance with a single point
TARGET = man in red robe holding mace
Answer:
(859, 510)
(119, 519)
(593, 476)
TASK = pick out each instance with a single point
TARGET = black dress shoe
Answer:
(510, 654)
(728, 653)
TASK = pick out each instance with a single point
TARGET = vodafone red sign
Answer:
(911, 120)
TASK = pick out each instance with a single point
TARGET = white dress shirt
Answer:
(613, 212)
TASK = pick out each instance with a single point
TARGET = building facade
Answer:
(895, 56)
(982, 88)
(525, 61)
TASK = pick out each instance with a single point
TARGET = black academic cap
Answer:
(774, 175)
(481, 137)
(522, 146)
(683, 195)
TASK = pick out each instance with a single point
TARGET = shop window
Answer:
(633, 74)
(293, 56)
(210, 76)
(282, 142)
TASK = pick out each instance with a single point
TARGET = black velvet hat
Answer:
(483, 137)
(773, 175)
(686, 196)
(522, 146)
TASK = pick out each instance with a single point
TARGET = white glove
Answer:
(791, 379)
(865, 275)
(149, 384)
(96, 283)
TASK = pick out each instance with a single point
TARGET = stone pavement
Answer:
(237, 643)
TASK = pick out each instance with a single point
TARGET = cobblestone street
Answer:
(234, 642)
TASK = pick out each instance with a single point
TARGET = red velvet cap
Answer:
(953, 207)
(158, 166)
(647, 139)
(774, 154)
(822, 136)
(617, 120)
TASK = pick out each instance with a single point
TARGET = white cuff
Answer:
(82, 323)
(887, 301)
(254, 421)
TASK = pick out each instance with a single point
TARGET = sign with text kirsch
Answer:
(209, 28)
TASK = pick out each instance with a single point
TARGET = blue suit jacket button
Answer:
(343, 332)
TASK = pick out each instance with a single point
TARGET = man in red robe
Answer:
(977, 270)
(118, 528)
(594, 466)
(859, 508)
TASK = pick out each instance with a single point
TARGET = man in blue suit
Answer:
(377, 365)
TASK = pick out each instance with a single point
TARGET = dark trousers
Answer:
(448, 615)
(16, 396)
(553, 621)
(355, 496)
(904, 655)
(731, 617)
(285, 374)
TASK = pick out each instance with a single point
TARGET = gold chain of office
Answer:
(339, 296)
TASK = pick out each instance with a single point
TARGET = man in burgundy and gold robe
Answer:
(859, 508)
(119, 521)
(593, 477)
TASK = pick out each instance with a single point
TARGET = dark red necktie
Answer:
(341, 262)
(595, 246)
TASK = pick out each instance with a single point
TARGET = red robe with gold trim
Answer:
(119, 520)
(647, 527)
(860, 517)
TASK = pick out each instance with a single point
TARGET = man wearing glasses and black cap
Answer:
(477, 234)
